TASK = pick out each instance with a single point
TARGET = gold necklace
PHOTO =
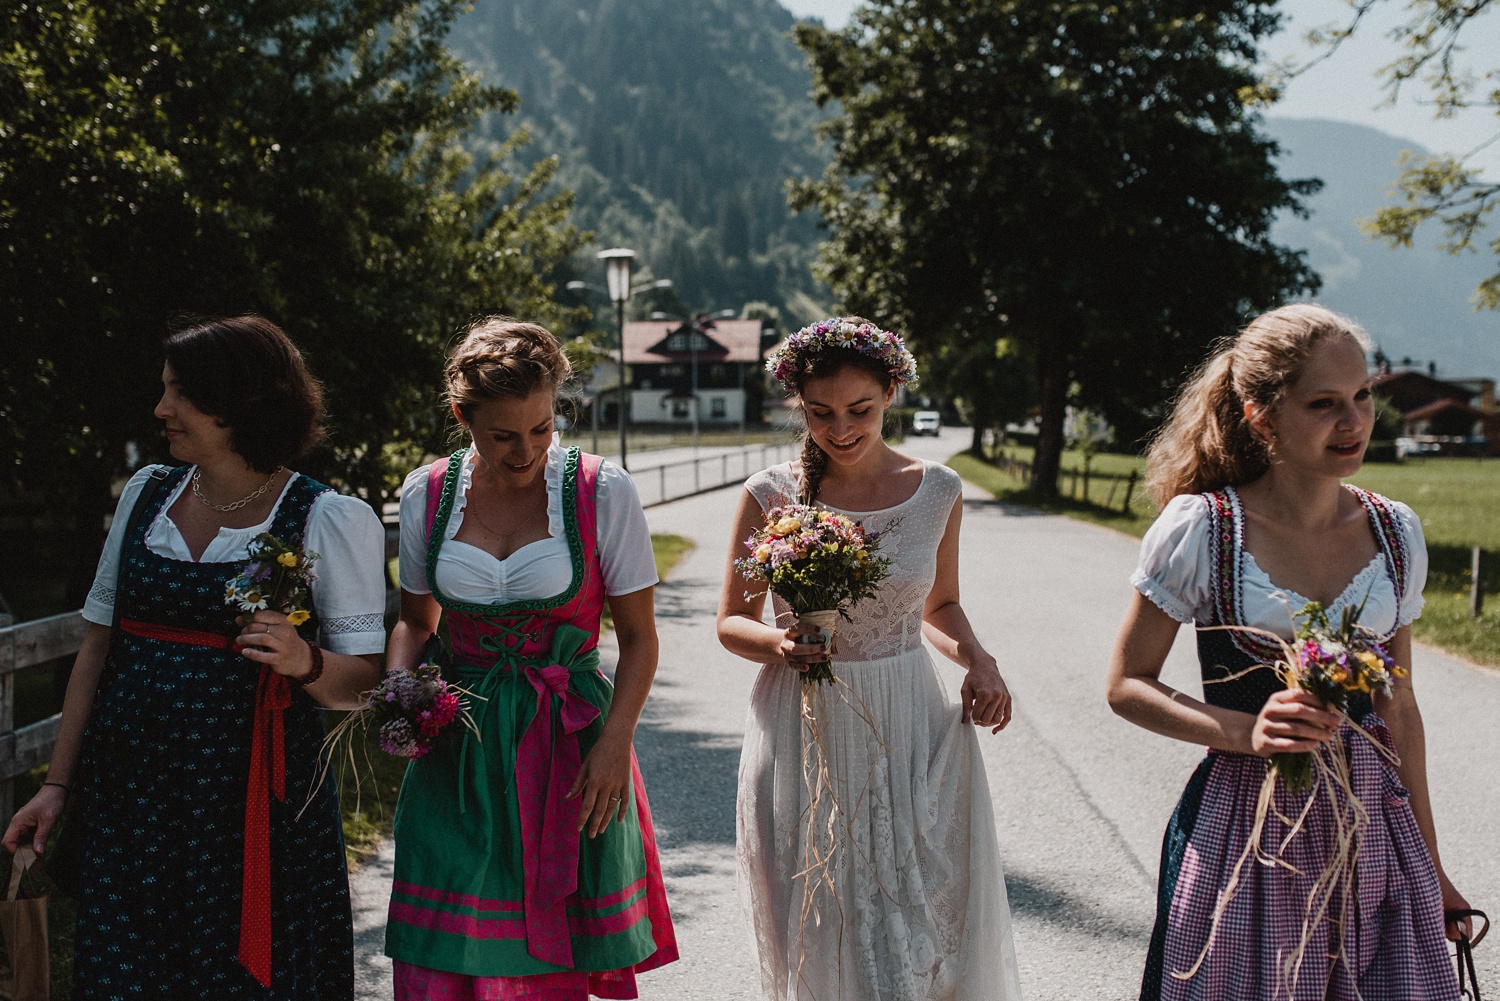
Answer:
(226, 508)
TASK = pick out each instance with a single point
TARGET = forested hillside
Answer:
(677, 125)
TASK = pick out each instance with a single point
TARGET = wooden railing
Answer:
(22, 646)
(36, 642)
(1075, 482)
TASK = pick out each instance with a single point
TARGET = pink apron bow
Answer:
(547, 764)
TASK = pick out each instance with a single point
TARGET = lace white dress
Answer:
(913, 905)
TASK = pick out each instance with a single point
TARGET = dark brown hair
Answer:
(820, 365)
(501, 357)
(1207, 443)
(247, 373)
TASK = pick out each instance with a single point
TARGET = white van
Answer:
(926, 422)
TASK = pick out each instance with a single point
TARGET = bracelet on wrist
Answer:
(317, 665)
(61, 785)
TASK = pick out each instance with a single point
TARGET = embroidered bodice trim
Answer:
(1227, 536)
(570, 527)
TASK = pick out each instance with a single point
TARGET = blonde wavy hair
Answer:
(1207, 443)
(501, 357)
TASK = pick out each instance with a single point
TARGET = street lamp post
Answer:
(578, 286)
(617, 265)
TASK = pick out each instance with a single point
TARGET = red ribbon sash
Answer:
(273, 695)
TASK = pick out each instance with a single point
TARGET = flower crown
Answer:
(837, 332)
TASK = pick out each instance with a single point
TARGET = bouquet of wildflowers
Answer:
(1331, 662)
(277, 576)
(415, 710)
(817, 561)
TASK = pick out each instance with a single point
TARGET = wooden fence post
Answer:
(1476, 583)
(1085, 484)
(1129, 489)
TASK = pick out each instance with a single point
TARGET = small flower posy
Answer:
(415, 709)
(1332, 662)
(840, 332)
(815, 560)
(277, 576)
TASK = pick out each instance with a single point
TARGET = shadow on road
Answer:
(691, 778)
(679, 600)
(1040, 899)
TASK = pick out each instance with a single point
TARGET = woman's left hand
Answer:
(604, 782)
(268, 638)
(986, 700)
(1455, 901)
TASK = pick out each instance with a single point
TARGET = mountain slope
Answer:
(1414, 302)
(677, 125)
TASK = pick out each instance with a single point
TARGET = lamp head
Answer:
(617, 266)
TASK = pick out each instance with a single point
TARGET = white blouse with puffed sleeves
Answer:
(349, 593)
(1176, 573)
(543, 568)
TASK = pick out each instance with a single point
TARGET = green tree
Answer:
(297, 158)
(1080, 177)
(1446, 188)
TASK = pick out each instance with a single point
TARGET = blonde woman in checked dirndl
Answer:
(1255, 522)
(911, 904)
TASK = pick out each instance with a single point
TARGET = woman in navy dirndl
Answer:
(191, 738)
(1256, 522)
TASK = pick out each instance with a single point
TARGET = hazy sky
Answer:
(1343, 87)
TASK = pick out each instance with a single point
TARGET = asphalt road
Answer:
(1081, 797)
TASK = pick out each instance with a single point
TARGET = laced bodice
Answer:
(891, 622)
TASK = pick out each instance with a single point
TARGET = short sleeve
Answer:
(1412, 601)
(948, 484)
(1175, 572)
(773, 487)
(412, 566)
(99, 606)
(624, 538)
(350, 590)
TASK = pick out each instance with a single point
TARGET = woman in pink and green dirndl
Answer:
(526, 863)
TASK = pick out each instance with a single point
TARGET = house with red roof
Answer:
(1449, 416)
(675, 366)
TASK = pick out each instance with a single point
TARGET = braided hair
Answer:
(501, 357)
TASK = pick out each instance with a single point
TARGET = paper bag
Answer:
(27, 971)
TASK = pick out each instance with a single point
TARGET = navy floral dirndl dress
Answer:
(166, 909)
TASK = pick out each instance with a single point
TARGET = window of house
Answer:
(679, 408)
(716, 406)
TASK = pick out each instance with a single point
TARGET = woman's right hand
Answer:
(36, 819)
(800, 654)
(1290, 722)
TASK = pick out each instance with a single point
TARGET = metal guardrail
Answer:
(684, 478)
(38, 641)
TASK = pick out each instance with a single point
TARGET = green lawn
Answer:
(1457, 499)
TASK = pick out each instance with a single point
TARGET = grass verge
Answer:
(1458, 501)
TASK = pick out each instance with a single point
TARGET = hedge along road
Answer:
(1081, 798)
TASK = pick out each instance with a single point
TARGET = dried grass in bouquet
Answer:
(1333, 662)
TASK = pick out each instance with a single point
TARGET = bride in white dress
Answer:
(910, 903)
